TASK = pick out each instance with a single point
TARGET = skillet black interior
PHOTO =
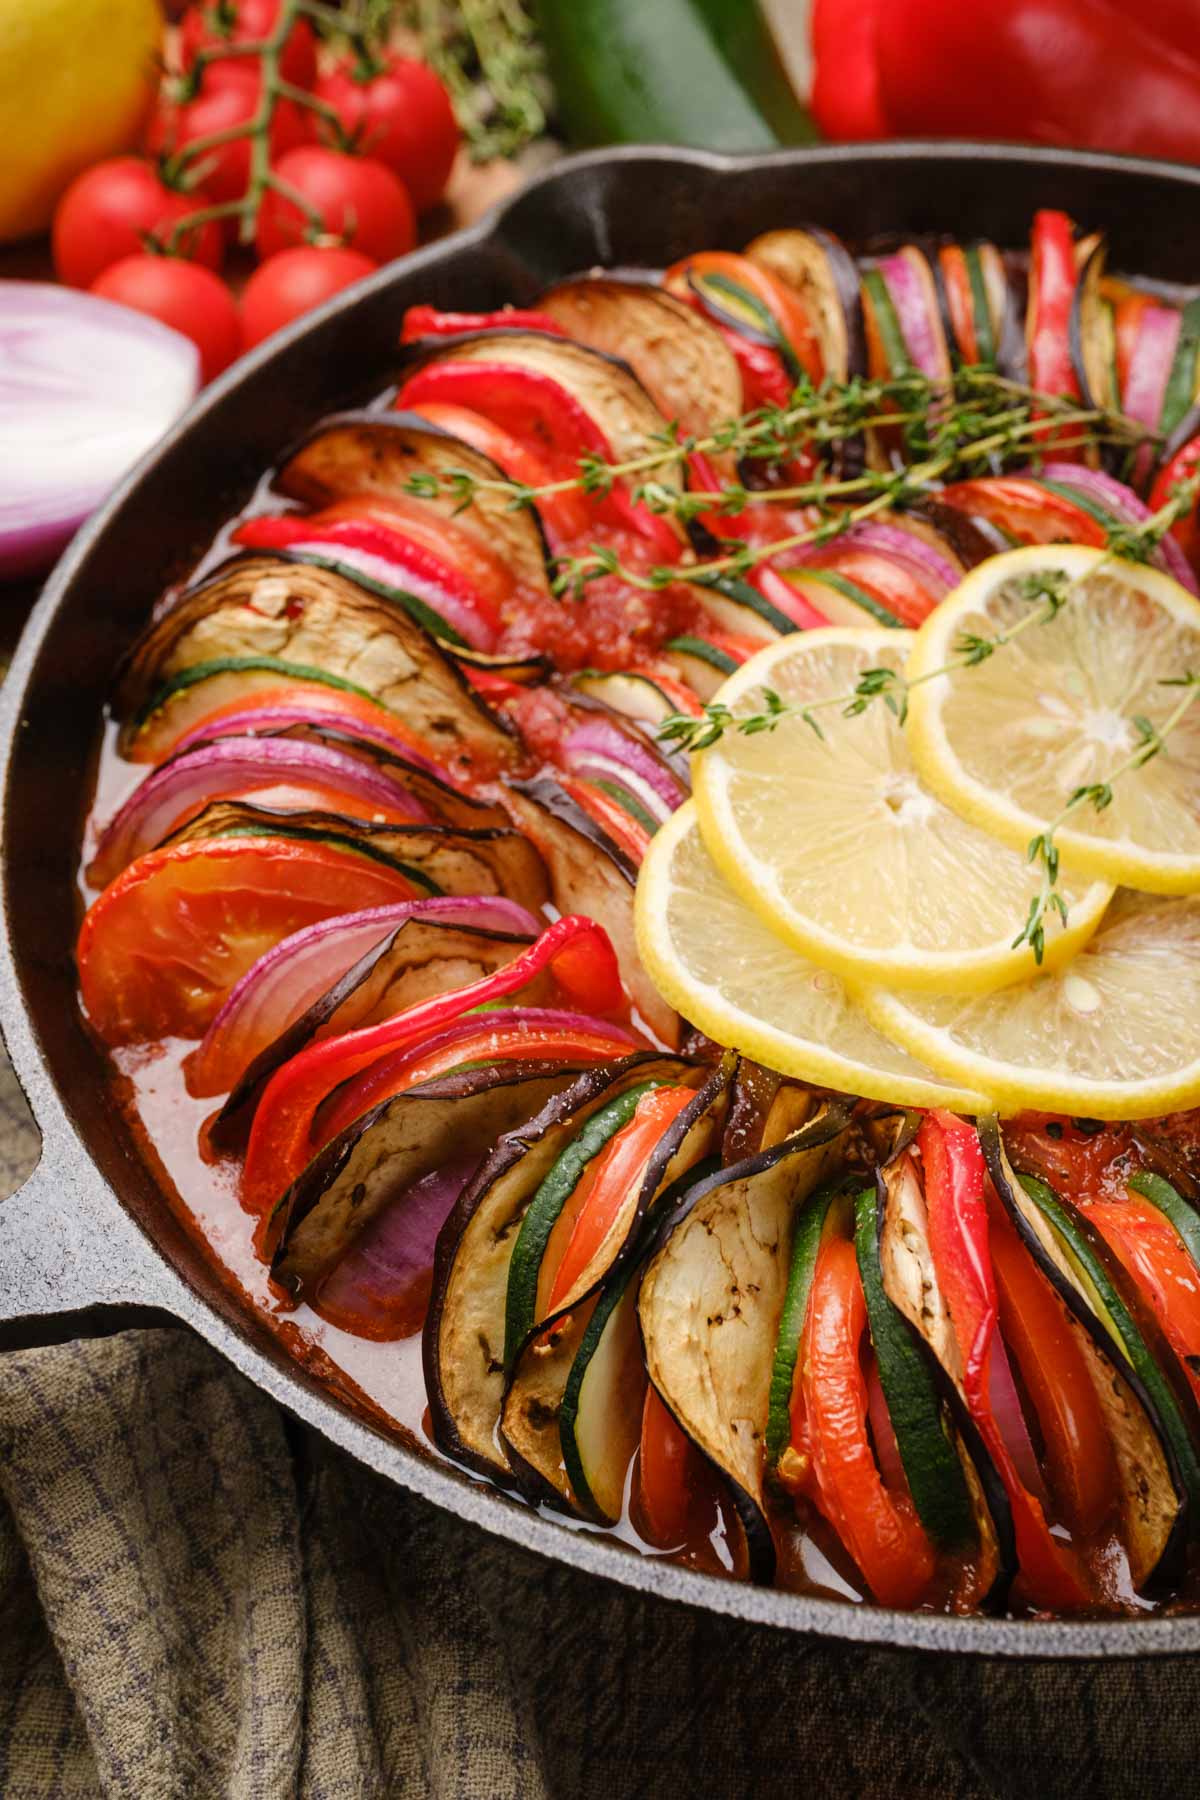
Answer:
(75, 1245)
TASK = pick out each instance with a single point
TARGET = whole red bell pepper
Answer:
(1095, 73)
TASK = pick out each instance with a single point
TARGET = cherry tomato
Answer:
(107, 212)
(191, 299)
(228, 98)
(293, 283)
(400, 113)
(215, 24)
(357, 198)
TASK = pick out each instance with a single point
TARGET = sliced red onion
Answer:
(915, 302)
(241, 766)
(598, 741)
(361, 1092)
(86, 387)
(1150, 364)
(380, 1288)
(1006, 1406)
(607, 771)
(1125, 506)
(469, 626)
(893, 541)
(264, 721)
(284, 983)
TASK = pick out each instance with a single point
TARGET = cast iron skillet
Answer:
(88, 1244)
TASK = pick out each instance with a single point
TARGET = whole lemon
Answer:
(76, 80)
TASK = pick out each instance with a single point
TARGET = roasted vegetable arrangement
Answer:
(753, 1283)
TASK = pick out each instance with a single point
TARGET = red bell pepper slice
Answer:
(953, 1166)
(831, 1441)
(1186, 528)
(670, 1473)
(1024, 510)
(428, 321)
(1052, 280)
(847, 101)
(1148, 1246)
(1079, 1452)
(575, 949)
(565, 516)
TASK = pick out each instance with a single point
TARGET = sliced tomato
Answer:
(1024, 510)
(164, 943)
(1081, 1467)
(566, 516)
(895, 585)
(1152, 1251)
(428, 530)
(626, 832)
(956, 284)
(832, 1443)
(1081, 1163)
(669, 1471)
(593, 1208)
(1128, 314)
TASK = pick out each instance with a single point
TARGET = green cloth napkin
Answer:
(199, 1599)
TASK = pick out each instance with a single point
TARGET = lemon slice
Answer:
(714, 959)
(834, 840)
(1113, 1035)
(1007, 742)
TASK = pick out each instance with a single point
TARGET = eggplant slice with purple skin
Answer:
(531, 1415)
(711, 1300)
(1153, 1493)
(817, 265)
(383, 453)
(437, 859)
(420, 958)
(265, 606)
(464, 1328)
(381, 1155)
(589, 874)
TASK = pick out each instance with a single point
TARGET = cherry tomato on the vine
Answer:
(400, 112)
(109, 210)
(228, 97)
(214, 24)
(295, 281)
(193, 300)
(356, 199)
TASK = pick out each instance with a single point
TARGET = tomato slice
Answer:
(626, 832)
(668, 1467)
(1025, 511)
(1127, 323)
(1082, 1469)
(565, 516)
(956, 282)
(832, 1443)
(1079, 1164)
(429, 531)
(164, 943)
(1149, 1247)
(886, 579)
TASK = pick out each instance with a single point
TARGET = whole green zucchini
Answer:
(699, 72)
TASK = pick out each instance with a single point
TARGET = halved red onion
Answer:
(284, 983)
(241, 766)
(380, 1288)
(914, 297)
(364, 1091)
(264, 721)
(601, 744)
(1125, 506)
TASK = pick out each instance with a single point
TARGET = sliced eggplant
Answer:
(1093, 335)
(299, 616)
(684, 365)
(437, 859)
(530, 1421)
(417, 960)
(1183, 381)
(382, 1154)
(589, 874)
(710, 1304)
(1153, 1445)
(821, 270)
(448, 804)
(392, 453)
(464, 1329)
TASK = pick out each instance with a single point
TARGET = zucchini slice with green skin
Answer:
(932, 1464)
(635, 695)
(842, 601)
(710, 1305)
(818, 1215)
(1169, 1201)
(439, 859)
(1093, 335)
(730, 304)
(206, 686)
(531, 1417)
(1152, 1443)
(463, 1344)
(821, 270)
(1183, 382)
(356, 453)
(734, 605)
(266, 611)
(878, 299)
(382, 1154)
(699, 663)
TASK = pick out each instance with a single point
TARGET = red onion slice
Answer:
(597, 740)
(284, 983)
(1010, 1420)
(1124, 504)
(1150, 364)
(238, 767)
(265, 721)
(465, 621)
(915, 300)
(935, 571)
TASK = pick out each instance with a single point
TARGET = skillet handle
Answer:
(72, 1263)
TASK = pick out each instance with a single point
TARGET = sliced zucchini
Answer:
(600, 1412)
(438, 859)
(193, 693)
(261, 613)
(1183, 382)
(464, 1329)
(734, 605)
(728, 303)
(698, 662)
(821, 270)
(627, 691)
(1169, 1201)
(879, 308)
(383, 453)
(1093, 335)
(710, 1305)
(353, 1178)
(842, 601)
